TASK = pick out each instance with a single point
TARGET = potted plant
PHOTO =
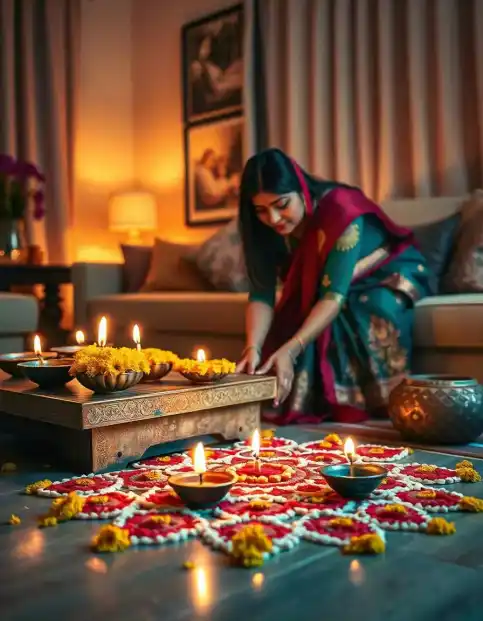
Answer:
(21, 188)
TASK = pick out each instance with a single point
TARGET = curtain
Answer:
(39, 55)
(385, 94)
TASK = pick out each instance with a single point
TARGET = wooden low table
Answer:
(98, 432)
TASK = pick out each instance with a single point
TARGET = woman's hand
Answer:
(282, 363)
(250, 360)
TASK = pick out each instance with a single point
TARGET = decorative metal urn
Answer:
(440, 409)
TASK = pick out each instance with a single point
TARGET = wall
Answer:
(157, 106)
(104, 136)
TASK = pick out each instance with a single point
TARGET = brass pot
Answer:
(105, 384)
(440, 409)
(198, 378)
(157, 372)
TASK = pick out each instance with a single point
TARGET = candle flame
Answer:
(37, 346)
(102, 333)
(256, 443)
(79, 337)
(200, 355)
(199, 462)
(349, 449)
(136, 335)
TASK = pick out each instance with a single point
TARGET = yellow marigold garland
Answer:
(468, 503)
(250, 544)
(33, 487)
(464, 464)
(62, 509)
(468, 475)
(205, 368)
(159, 356)
(111, 538)
(365, 544)
(440, 526)
(395, 508)
(94, 360)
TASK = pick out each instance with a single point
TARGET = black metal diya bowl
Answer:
(48, 373)
(355, 481)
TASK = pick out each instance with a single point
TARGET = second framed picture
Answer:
(213, 65)
(214, 163)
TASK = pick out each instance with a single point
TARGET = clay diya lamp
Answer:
(48, 373)
(9, 362)
(203, 371)
(353, 480)
(201, 489)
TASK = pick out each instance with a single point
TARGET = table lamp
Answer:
(133, 212)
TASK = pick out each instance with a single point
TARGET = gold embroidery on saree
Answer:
(398, 282)
(349, 238)
(372, 260)
(300, 391)
(334, 297)
(384, 344)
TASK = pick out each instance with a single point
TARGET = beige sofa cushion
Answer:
(184, 312)
(424, 210)
(449, 321)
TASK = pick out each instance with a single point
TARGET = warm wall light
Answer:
(133, 212)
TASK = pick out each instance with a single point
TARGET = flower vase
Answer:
(12, 239)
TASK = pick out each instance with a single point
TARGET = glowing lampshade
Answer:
(133, 212)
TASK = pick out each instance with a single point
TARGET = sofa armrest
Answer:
(92, 280)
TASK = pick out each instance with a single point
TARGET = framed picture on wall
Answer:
(213, 65)
(214, 162)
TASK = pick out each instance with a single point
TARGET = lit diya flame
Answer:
(136, 337)
(102, 332)
(79, 337)
(200, 355)
(350, 453)
(256, 448)
(38, 348)
(199, 461)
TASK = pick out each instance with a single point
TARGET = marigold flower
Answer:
(250, 544)
(33, 487)
(111, 538)
(468, 503)
(365, 544)
(440, 526)
(14, 520)
(468, 475)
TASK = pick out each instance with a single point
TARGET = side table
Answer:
(51, 277)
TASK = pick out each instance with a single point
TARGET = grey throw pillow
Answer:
(221, 261)
(436, 242)
(137, 260)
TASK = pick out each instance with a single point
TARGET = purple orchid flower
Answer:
(39, 207)
(27, 170)
(8, 165)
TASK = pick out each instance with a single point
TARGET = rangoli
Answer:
(275, 502)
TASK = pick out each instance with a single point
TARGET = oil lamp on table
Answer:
(202, 489)
(353, 480)
(66, 351)
(46, 372)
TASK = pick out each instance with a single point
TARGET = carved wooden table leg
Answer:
(119, 444)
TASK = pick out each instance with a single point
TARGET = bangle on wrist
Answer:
(257, 348)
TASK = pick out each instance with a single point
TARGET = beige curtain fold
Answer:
(39, 56)
(385, 94)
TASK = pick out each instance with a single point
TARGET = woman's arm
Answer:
(258, 320)
(335, 281)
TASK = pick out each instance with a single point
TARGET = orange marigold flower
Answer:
(250, 544)
(440, 526)
(111, 538)
(468, 503)
(468, 475)
(33, 487)
(365, 544)
(426, 493)
(14, 520)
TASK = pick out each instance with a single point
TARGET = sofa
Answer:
(19, 316)
(448, 330)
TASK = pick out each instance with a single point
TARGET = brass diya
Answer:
(157, 371)
(202, 378)
(109, 382)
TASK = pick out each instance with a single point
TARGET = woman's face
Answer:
(282, 212)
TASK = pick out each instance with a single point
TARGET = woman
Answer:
(339, 338)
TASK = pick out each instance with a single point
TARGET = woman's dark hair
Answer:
(269, 171)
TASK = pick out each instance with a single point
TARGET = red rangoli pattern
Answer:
(83, 485)
(256, 509)
(139, 480)
(148, 527)
(393, 515)
(428, 499)
(425, 473)
(333, 528)
(377, 453)
(163, 461)
(105, 506)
